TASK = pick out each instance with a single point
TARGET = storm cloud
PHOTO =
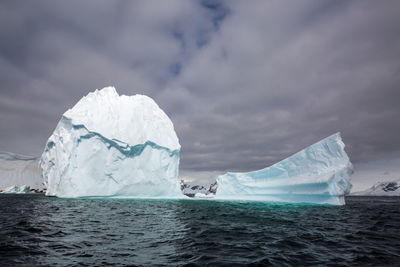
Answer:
(246, 84)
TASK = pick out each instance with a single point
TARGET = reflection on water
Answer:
(38, 230)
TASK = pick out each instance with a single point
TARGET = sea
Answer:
(36, 230)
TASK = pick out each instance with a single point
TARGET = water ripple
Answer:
(41, 231)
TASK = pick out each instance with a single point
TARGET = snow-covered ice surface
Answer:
(201, 195)
(15, 189)
(19, 170)
(317, 174)
(391, 188)
(109, 145)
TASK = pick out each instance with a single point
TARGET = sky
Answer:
(246, 84)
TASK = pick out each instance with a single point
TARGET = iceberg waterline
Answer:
(83, 158)
(317, 174)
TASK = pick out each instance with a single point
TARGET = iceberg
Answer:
(317, 174)
(111, 145)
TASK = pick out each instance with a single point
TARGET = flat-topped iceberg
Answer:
(317, 174)
(111, 145)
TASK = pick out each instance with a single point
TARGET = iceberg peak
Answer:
(133, 119)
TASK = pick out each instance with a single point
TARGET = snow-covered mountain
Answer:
(391, 188)
(14, 189)
(19, 170)
(191, 190)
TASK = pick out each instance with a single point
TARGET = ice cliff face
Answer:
(109, 145)
(19, 170)
(317, 174)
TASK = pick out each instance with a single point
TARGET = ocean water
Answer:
(41, 231)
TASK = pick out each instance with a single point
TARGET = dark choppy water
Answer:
(37, 230)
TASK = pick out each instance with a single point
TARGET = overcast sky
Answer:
(246, 84)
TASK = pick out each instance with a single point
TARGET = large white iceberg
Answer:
(317, 174)
(111, 145)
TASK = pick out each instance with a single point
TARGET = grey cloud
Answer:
(277, 98)
(246, 84)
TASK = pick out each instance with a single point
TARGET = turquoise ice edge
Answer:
(123, 147)
(227, 201)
